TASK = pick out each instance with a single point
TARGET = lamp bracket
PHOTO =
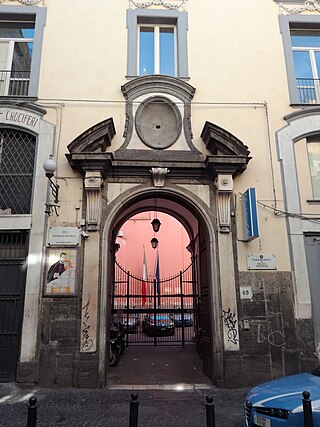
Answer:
(50, 209)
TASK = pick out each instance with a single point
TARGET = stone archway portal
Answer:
(201, 184)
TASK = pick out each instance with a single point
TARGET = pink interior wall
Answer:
(173, 240)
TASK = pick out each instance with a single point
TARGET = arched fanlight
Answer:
(154, 243)
(156, 225)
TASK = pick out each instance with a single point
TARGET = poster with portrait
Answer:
(61, 272)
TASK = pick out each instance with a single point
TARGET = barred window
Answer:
(17, 158)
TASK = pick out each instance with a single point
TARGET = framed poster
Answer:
(61, 272)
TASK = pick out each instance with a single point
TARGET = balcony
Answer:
(14, 83)
(309, 91)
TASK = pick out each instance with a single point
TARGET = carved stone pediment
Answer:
(88, 151)
(221, 142)
(93, 140)
(229, 154)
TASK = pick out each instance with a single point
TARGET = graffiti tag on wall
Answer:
(86, 340)
(274, 338)
(230, 321)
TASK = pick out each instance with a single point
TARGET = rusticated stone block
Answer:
(255, 369)
(291, 361)
(27, 372)
(64, 378)
(88, 370)
(64, 331)
(47, 366)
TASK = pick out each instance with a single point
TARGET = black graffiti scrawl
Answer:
(230, 321)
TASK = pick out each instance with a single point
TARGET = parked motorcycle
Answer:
(117, 344)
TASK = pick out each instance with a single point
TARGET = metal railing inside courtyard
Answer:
(156, 312)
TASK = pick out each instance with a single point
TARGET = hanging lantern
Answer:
(154, 243)
(156, 225)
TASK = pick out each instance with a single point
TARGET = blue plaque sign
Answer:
(250, 214)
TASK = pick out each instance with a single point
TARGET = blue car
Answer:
(158, 325)
(187, 319)
(279, 402)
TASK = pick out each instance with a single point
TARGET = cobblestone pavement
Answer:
(110, 407)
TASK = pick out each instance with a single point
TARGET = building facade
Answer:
(207, 112)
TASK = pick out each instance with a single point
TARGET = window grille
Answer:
(17, 157)
(13, 245)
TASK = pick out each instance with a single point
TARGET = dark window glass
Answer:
(146, 51)
(16, 30)
(305, 38)
(167, 51)
(17, 157)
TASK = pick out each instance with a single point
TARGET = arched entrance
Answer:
(194, 187)
(198, 220)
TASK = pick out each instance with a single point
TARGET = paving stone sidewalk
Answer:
(110, 407)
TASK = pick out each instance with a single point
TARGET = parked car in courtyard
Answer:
(161, 324)
(177, 319)
(130, 323)
(279, 402)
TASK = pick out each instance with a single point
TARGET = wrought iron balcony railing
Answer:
(309, 91)
(14, 83)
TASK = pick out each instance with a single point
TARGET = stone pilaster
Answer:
(89, 314)
(92, 185)
(88, 338)
(229, 313)
(224, 185)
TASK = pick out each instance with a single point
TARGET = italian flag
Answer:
(144, 279)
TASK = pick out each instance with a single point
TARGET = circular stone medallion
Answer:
(158, 122)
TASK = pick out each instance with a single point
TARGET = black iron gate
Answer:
(156, 312)
(13, 251)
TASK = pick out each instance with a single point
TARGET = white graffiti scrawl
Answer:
(86, 341)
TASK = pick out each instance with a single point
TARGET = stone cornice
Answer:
(315, 111)
(23, 105)
(87, 153)
(159, 84)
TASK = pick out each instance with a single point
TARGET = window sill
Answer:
(174, 77)
(313, 201)
(304, 105)
(15, 222)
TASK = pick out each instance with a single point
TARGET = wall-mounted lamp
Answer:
(154, 243)
(155, 225)
(50, 166)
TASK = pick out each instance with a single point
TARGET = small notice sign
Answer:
(246, 292)
(261, 262)
(64, 236)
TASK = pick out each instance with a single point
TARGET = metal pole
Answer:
(32, 412)
(307, 409)
(134, 407)
(210, 412)
(182, 310)
(128, 303)
(155, 311)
